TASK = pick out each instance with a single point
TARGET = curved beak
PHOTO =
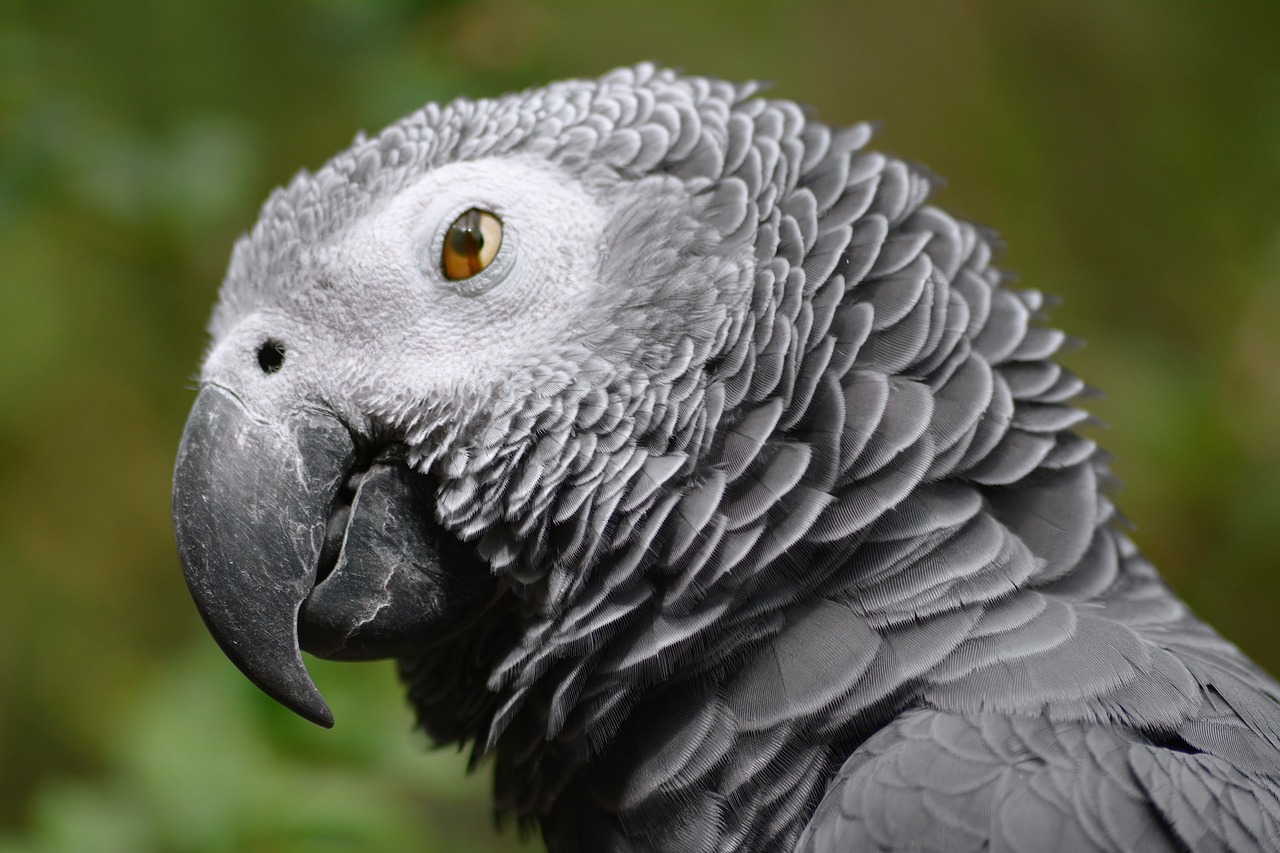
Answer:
(251, 498)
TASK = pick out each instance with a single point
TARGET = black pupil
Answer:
(466, 238)
(271, 356)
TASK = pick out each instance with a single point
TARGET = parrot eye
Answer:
(471, 244)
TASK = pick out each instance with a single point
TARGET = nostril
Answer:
(271, 356)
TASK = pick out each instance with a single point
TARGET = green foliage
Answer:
(201, 762)
(1126, 152)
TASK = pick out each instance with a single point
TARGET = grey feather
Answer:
(938, 782)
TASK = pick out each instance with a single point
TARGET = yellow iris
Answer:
(471, 244)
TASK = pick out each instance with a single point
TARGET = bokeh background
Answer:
(1129, 153)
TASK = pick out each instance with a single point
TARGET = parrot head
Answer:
(446, 367)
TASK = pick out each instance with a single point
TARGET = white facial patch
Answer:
(426, 334)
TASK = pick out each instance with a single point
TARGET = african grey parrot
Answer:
(710, 481)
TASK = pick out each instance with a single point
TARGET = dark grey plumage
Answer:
(794, 543)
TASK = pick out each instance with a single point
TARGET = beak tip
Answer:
(277, 669)
(299, 694)
(317, 713)
(307, 703)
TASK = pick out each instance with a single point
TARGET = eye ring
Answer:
(470, 244)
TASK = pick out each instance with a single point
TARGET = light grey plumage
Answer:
(755, 518)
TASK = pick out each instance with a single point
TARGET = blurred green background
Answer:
(1129, 153)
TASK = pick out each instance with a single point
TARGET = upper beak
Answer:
(251, 500)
